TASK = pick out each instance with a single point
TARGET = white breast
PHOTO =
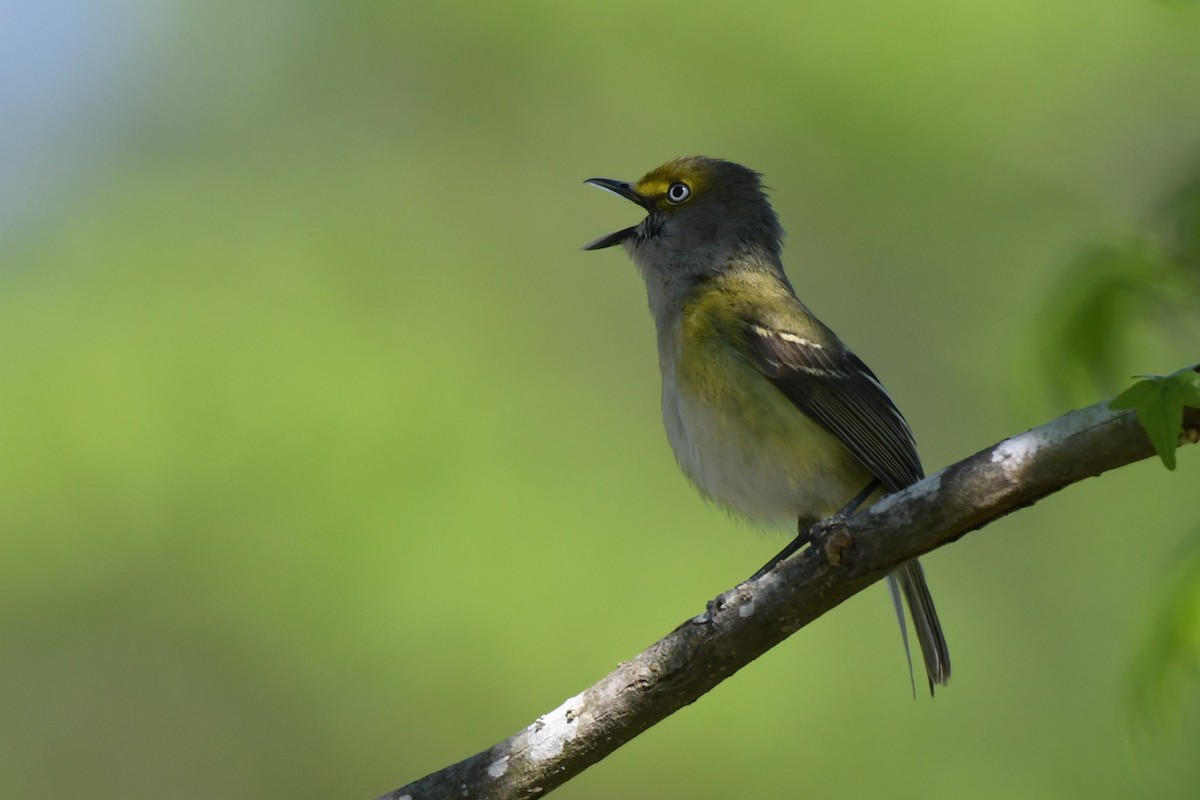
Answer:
(759, 455)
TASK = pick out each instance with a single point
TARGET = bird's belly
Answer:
(747, 447)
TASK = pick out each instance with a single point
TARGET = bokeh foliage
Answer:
(328, 459)
(1147, 280)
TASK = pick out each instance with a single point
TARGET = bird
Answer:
(769, 414)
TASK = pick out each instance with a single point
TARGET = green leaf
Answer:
(1158, 401)
(1190, 382)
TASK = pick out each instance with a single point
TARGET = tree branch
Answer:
(753, 617)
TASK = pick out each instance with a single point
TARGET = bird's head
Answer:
(702, 214)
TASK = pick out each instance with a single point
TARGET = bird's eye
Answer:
(678, 192)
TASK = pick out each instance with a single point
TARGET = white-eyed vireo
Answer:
(768, 413)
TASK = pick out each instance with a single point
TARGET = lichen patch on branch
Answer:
(551, 732)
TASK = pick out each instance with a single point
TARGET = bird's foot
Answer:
(831, 538)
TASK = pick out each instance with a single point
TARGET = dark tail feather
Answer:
(909, 582)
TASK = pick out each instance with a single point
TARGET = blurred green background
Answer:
(329, 459)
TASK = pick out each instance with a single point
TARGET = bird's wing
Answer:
(833, 386)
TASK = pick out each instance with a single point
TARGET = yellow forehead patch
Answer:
(693, 171)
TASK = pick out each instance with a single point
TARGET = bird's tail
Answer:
(909, 582)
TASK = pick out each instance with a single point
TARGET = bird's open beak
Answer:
(621, 189)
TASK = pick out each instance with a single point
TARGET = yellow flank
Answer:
(757, 430)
